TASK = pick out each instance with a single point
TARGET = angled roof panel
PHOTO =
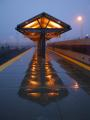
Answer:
(41, 22)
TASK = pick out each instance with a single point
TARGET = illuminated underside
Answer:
(42, 21)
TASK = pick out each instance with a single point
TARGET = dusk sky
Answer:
(13, 12)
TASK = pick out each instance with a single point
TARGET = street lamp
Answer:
(80, 21)
(79, 18)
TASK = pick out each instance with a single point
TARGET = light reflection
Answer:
(75, 86)
(33, 67)
(33, 76)
(48, 71)
(50, 83)
(35, 94)
(38, 90)
(33, 70)
(47, 68)
(34, 73)
(34, 83)
(49, 76)
(46, 65)
(52, 94)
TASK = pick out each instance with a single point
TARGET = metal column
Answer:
(41, 56)
(41, 46)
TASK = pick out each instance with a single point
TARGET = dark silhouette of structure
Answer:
(41, 28)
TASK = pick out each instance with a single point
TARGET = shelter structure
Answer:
(41, 28)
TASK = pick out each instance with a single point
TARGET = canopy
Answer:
(43, 22)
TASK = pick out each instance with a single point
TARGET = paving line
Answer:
(87, 67)
(8, 63)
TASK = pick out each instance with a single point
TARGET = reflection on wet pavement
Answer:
(80, 75)
(41, 84)
(57, 96)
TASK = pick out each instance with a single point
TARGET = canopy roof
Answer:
(42, 22)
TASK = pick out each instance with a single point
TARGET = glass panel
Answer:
(43, 22)
(32, 25)
(52, 24)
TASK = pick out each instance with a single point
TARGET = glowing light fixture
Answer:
(54, 25)
(79, 18)
(32, 24)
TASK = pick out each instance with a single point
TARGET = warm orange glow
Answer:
(32, 33)
(49, 76)
(33, 65)
(35, 94)
(50, 83)
(43, 22)
(48, 71)
(46, 63)
(34, 83)
(46, 67)
(35, 59)
(32, 24)
(54, 25)
(33, 69)
(49, 27)
(53, 94)
(34, 62)
(36, 26)
(33, 76)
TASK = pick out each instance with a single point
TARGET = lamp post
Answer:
(80, 21)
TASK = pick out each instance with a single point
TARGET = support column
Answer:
(41, 56)
(41, 46)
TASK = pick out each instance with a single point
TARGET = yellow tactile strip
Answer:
(6, 64)
(87, 67)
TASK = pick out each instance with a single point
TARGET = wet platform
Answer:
(62, 99)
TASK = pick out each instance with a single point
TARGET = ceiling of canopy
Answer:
(43, 22)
